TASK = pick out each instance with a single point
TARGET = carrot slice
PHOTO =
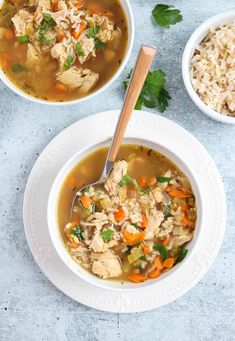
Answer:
(154, 274)
(169, 262)
(54, 6)
(166, 240)
(76, 34)
(151, 181)
(60, 36)
(8, 34)
(133, 239)
(69, 236)
(145, 248)
(73, 224)
(79, 4)
(185, 220)
(178, 193)
(142, 181)
(158, 263)
(185, 207)
(137, 278)
(144, 221)
(119, 215)
(70, 181)
(86, 201)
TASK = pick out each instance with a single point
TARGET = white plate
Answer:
(144, 126)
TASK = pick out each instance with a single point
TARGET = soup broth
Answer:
(61, 50)
(144, 218)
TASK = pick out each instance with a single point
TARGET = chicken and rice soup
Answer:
(61, 50)
(137, 225)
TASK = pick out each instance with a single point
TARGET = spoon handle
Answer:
(136, 83)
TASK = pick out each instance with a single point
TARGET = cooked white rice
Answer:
(213, 69)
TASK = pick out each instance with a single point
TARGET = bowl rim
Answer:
(194, 40)
(52, 223)
(127, 8)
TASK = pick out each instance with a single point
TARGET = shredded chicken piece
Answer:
(119, 170)
(33, 58)
(97, 244)
(21, 20)
(74, 77)
(106, 265)
(154, 221)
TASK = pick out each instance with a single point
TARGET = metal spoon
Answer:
(136, 83)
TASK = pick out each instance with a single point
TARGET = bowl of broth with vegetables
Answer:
(58, 51)
(133, 230)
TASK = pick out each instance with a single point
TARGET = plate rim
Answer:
(113, 114)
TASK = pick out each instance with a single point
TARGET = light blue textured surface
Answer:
(31, 308)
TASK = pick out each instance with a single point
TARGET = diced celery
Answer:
(135, 254)
(126, 268)
(105, 203)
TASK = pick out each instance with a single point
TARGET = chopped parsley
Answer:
(182, 254)
(77, 232)
(92, 32)
(127, 180)
(163, 179)
(166, 15)
(143, 258)
(16, 68)
(162, 250)
(167, 211)
(107, 235)
(79, 49)
(68, 62)
(153, 93)
(47, 24)
(99, 44)
(23, 39)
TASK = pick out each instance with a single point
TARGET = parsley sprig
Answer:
(166, 15)
(47, 24)
(153, 94)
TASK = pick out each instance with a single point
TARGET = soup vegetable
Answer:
(135, 226)
(61, 50)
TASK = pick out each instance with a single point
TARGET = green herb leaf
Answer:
(166, 15)
(162, 250)
(153, 94)
(99, 44)
(163, 98)
(16, 68)
(92, 32)
(77, 231)
(23, 39)
(167, 211)
(107, 235)
(134, 224)
(86, 189)
(163, 179)
(182, 254)
(143, 258)
(126, 180)
(44, 40)
(47, 24)
(79, 49)
(68, 62)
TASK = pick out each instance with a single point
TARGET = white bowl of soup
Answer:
(137, 228)
(63, 52)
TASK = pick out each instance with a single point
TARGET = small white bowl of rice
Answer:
(208, 67)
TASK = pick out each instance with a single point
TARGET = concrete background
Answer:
(31, 308)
